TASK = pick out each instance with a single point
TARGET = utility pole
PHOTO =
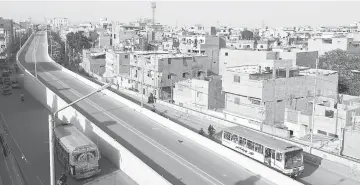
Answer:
(142, 86)
(51, 131)
(314, 105)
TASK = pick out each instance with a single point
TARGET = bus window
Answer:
(240, 140)
(279, 156)
(227, 135)
(273, 154)
(234, 138)
(244, 142)
(250, 145)
(258, 148)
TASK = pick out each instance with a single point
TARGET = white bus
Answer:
(77, 153)
(279, 155)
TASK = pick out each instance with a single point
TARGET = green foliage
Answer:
(77, 42)
(343, 62)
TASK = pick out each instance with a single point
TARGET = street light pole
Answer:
(51, 131)
(314, 105)
(142, 86)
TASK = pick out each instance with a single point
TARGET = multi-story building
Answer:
(323, 45)
(121, 34)
(117, 63)
(60, 22)
(3, 45)
(94, 62)
(160, 70)
(262, 91)
(330, 116)
(236, 57)
(7, 25)
(203, 93)
(208, 45)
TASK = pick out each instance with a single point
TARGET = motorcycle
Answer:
(59, 182)
(22, 99)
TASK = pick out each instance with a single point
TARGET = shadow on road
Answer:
(249, 181)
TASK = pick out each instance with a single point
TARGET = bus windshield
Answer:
(293, 159)
(85, 157)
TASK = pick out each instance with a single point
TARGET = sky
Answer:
(249, 14)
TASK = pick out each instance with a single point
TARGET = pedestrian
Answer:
(155, 99)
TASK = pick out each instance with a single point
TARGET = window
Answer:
(237, 100)
(143, 91)
(198, 94)
(322, 132)
(189, 51)
(329, 113)
(227, 135)
(234, 138)
(125, 56)
(169, 61)
(226, 53)
(333, 135)
(261, 46)
(184, 75)
(279, 156)
(169, 76)
(240, 141)
(236, 78)
(250, 145)
(255, 101)
(258, 148)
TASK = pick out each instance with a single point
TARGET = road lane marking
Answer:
(40, 180)
(7, 166)
(140, 134)
(11, 135)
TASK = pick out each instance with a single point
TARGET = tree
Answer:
(76, 42)
(343, 62)
(211, 131)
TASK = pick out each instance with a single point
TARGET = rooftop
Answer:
(312, 72)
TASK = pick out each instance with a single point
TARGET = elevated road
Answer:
(178, 159)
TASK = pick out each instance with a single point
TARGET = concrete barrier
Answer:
(109, 148)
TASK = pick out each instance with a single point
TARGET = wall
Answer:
(351, 142)
(337, 43)
(216, 99)
(242, 57)
(302, 58)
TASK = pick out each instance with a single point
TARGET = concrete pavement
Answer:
(179, 163)
(314, 174)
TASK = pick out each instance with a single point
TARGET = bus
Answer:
(77, 153)
(279, 155)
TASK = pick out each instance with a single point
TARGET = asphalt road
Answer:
(28, 139)
(179, 162)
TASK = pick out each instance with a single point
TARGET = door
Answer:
(273, 158)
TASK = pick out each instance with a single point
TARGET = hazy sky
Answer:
(232, 13)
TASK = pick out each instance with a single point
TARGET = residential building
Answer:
(323, 45)
(7, 25)
(236, 57)
(199, 93)
(331, 117)
(159, 70)
(60, 22)
(93, 62)
(121, 34)
(208, 45)
(262, 91)
(117, 63)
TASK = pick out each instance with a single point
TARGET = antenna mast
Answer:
(153, 8)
